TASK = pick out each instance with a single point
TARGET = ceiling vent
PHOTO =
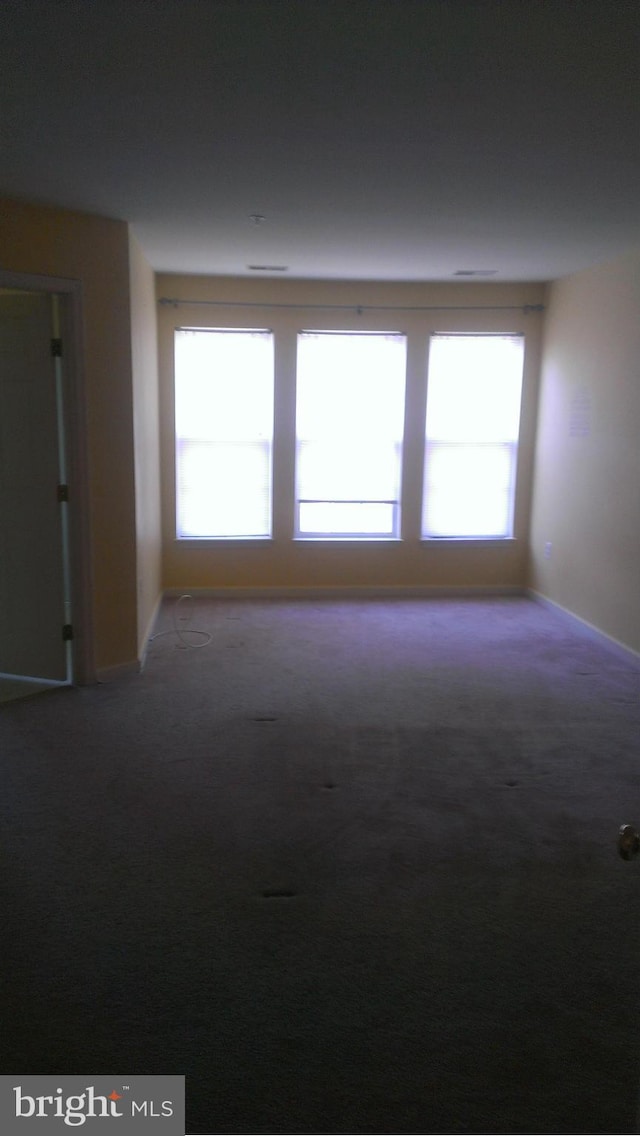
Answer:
(268, 267)
(476, 272)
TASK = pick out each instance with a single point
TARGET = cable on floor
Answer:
(183, 643)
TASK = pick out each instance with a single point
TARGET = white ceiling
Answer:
(379, 139)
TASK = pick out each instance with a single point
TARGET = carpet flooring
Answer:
(349, 866)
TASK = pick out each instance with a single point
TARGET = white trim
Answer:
(76, 419)
(146, 638)
(578, 624)
(120, 670)
(349, 591)
(33, 282)
(33, 679)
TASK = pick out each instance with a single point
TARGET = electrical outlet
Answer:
(547, 550)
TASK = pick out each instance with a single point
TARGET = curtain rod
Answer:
(526, 309)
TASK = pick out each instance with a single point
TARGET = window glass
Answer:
(224, 432)
(349, 428)
(472, 425)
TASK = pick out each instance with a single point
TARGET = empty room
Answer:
(320, 563)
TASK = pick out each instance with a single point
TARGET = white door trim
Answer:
(76, 418)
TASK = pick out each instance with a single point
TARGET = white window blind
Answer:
(472, 426)
(224, 432)
(349, 429)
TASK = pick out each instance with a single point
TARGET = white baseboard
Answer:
(348, 591)
(622, 650)
(144, 646)
(33, 679)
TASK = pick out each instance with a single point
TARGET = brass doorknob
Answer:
(628, 842)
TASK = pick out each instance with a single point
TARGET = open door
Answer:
(34, 576)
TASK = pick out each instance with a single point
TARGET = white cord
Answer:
(183, 644)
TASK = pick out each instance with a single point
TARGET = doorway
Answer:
(36, 625)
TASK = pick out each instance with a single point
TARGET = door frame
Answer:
(75, 426)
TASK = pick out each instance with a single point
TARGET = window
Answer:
(349, 428)
(224, 432)
(472, 424)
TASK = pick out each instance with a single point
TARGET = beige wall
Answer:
(587, 468)
(144, 338)
(95, 252)
(283, 562)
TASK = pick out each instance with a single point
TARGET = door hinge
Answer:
(63, 493)
(67, 632)
(56, 348)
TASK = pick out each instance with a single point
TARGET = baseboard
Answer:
(144, 646)
(349, 591)
(120, 670)
(27, 679)
(622, 650)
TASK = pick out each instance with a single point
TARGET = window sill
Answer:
(199, 540)
(468, 540)
(328, 539)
